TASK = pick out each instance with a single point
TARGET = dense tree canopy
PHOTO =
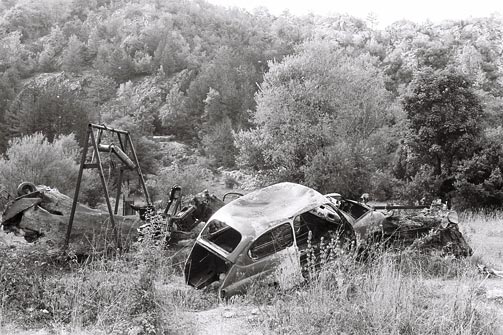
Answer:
(445, 118)
(317, 112)
(315, 99)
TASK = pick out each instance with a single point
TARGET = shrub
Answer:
(343, 168)
(422, 187)
(384, 186)
(250, 147)
(479, 182)
(193, 178)
(33, 158)
(219, 145)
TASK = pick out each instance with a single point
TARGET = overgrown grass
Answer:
(109, 295)
(484, 232)
(143, 292)
(390, 295)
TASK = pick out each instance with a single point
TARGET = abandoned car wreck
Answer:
(265, 235)
(274, 234)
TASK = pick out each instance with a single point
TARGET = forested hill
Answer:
(328, 101)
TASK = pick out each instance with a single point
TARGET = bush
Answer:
(193, 178)
(341, 168)
(33, 158)
(420, 188)
(218, 144)
(479, 182)
(250, 147)
(384, 186)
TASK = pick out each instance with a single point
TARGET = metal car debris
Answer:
(433, 228)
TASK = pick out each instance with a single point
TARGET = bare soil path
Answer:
(227, 320)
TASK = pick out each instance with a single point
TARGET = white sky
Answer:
(387, 11)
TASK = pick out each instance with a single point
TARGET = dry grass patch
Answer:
(484, 233)
(108, 295)
(387, 296)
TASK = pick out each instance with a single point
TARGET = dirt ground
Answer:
(227, 320)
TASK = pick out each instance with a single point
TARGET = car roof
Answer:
(258, 211)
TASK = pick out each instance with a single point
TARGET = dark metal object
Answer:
(26, 188)
(95, 163)
(400, 207)
(175, 197)
(237, 194)
(19, 206)
(119, 153)
(184, 219)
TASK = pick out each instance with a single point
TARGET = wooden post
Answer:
(138, 170)
(77, 188)
(105, 188)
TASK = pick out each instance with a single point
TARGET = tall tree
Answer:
(321, 105)
(72, 59)
(445, 117)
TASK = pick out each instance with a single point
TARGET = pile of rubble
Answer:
(42, 217)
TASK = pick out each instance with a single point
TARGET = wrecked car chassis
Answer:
(267, 234)
(264, 234)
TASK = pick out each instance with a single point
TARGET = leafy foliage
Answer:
(241, 86)
(444, 116)
(33, 158)
(315, 112)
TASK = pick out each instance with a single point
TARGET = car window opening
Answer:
(222, 235)
(354, 209)
(272, 241)
(308, 223)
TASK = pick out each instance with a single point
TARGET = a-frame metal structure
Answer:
(129, 163)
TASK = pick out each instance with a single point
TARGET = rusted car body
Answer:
(433, 228)
(263, 234)
(366, 221)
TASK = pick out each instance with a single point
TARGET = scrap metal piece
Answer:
(26, 188)
(18, 206)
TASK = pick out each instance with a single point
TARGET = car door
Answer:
(273, 255)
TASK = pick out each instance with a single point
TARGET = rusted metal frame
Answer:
(96, 139)
(77, 188)
(105, 188)
(138, 170)
(121, 172)
(119, 190)
(103, 127)
(99, 134)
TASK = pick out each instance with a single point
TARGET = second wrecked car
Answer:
(263, 234)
